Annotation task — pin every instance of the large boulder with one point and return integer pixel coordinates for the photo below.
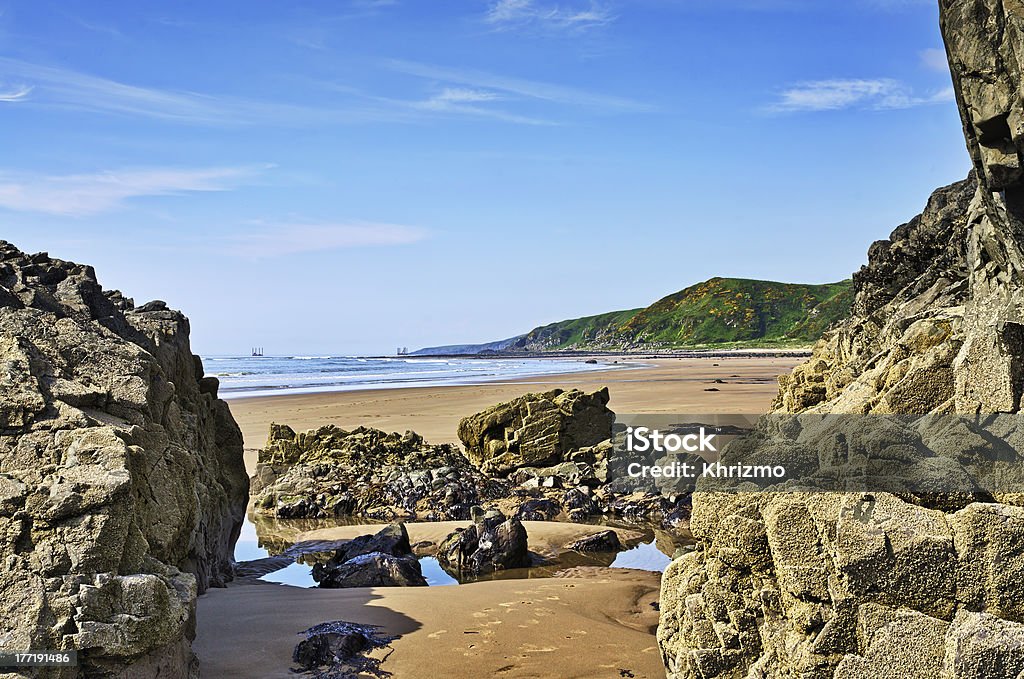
(122, 485)
(384, 559)
(536, 430)
(493, 542)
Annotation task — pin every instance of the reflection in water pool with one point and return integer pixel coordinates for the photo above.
(296, 575)
(301, 575)
(434, 574)
(643, 556)
(646, 557)
(248, 546)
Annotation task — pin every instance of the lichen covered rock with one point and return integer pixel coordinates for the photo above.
(536, 430)
(122, 486)
(789, 582)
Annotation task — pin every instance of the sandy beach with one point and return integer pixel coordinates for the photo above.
(587, 622)
(669, 385)
(590, 624)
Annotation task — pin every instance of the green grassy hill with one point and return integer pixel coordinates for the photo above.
(720, 311)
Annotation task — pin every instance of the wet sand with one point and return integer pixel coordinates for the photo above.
(591, 624)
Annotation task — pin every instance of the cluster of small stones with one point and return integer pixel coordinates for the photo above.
(330, 472)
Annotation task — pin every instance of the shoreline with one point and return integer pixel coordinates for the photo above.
(650, 354)
(230, 395)
(587, 362)
(733, 385)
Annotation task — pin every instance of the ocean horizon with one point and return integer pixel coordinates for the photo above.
(245, 376)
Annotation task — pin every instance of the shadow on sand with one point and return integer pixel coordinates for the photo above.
(250, 628)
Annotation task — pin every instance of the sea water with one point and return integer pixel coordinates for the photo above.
(265, 375)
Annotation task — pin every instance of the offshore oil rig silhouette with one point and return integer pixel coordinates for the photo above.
(257, 351)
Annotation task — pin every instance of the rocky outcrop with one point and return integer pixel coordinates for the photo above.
(877, 584)
(330, 472)
(800, 582)
(985, 42)
(895, 353)
(384, 559)
(938, 321)
(536, 430)
(122, 487)
(491, 543)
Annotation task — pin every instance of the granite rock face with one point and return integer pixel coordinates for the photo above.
(842, 585)
(985, 43)
(831, 585)
(536, 430)
(122, 486)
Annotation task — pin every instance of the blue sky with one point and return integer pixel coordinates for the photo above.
(355, 175)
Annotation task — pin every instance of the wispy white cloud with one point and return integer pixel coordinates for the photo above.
(522, 88)
(17, 94)
(934, 59)
(472, 103)
(80, 195)
(65, 88)
(323, 32)
(95, 27)
(443, 102)
(462, 95)
(548, 18)
(275, 240)
(457, 92)
(872, 94)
